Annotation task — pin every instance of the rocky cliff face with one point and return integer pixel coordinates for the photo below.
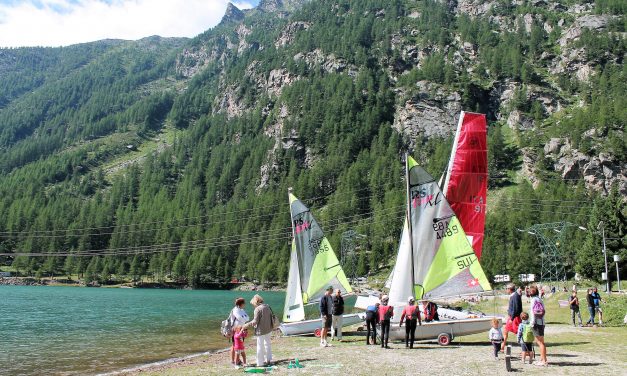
(429, 109)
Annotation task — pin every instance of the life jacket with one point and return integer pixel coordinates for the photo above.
(385, 312)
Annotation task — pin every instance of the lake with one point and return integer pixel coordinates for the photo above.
(74, 330)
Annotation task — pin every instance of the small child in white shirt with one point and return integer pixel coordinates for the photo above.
(496, 337)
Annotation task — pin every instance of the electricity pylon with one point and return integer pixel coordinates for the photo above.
(550, 237)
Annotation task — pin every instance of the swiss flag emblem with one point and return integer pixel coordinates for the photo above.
(473, 282)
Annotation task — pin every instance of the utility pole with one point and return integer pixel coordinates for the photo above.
(616, 260)
(607, 275)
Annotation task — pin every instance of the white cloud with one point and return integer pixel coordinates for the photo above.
(65, 22)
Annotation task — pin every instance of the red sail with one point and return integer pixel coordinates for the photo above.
(467, 176)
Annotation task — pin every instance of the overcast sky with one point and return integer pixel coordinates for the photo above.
(64, 22)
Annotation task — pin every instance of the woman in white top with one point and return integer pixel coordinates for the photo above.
(239, 317)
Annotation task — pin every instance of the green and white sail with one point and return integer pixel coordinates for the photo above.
(444, 263)
(313, 264)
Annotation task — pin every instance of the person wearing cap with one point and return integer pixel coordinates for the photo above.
(338, 311)
(326, 315)
(514, 309)
(411, 314)
(386, 312)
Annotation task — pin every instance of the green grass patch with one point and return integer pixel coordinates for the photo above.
(614, 308)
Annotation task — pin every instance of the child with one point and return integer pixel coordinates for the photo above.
(525, 337)
(238, 343)
(496, 337)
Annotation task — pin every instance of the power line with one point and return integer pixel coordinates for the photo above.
(275, 235)
(44, 233)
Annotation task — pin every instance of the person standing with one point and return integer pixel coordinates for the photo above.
(338, 311)
(386, 312)
(326, 315)
(514, 309)
(412, 315)
(525, 337)
(262, 322)
(240, 318)
(495, 335)
(574, 308)
(536, 319)
(591, 310)
(596, 298)
(372, 319)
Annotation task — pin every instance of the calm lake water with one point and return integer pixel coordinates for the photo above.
(73, 330)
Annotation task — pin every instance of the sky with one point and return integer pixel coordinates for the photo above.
(54, 23)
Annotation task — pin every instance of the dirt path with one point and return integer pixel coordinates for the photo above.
(568, 353)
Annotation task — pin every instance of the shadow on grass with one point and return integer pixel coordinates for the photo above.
(563, 355)
(558, 344)
(574, 364)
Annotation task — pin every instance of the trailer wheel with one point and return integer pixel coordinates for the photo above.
(444, 339)
(318, 332)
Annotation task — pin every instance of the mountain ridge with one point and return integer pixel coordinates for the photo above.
(322, 96)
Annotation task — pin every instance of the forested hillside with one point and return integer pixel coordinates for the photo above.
(171, 158)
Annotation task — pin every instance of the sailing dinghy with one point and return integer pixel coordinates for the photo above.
(313, 267)
(434, 260)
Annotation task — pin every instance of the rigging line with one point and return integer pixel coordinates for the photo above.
(208, 225)
(31, 233)
(541, 205)
(140, 230)
(152, 251)
(230, 240)
(529, 206)
(546, 200)
(174, 246)
(132, 231)
(537, 211)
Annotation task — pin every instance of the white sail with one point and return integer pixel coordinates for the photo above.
(294, 309)
(401, 284)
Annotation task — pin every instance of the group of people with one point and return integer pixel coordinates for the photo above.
(527, 326)
(331, 311)
(382, 313)
(262, 323)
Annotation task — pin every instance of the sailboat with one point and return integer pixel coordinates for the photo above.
(466, 179)
(435, 259)
(313, 267)
(465, 182)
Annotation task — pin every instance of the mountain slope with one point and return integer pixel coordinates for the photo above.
(320, 96)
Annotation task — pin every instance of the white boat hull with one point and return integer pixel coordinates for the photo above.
(310, 326)
(453, 328)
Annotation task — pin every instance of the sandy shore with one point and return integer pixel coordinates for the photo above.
(571, 351)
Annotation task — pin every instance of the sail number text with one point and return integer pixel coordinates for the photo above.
(318, 246)
(443, 230)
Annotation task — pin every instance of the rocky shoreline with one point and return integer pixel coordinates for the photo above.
(31, 281)
(20, 281)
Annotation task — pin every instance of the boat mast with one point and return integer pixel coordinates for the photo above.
(409, 226)
(289, 191)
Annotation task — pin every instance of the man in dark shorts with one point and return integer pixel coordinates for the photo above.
(326, 314)
(514, 309)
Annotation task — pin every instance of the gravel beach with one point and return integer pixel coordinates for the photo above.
(571, 351)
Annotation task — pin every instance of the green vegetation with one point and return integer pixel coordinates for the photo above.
(208, 202)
